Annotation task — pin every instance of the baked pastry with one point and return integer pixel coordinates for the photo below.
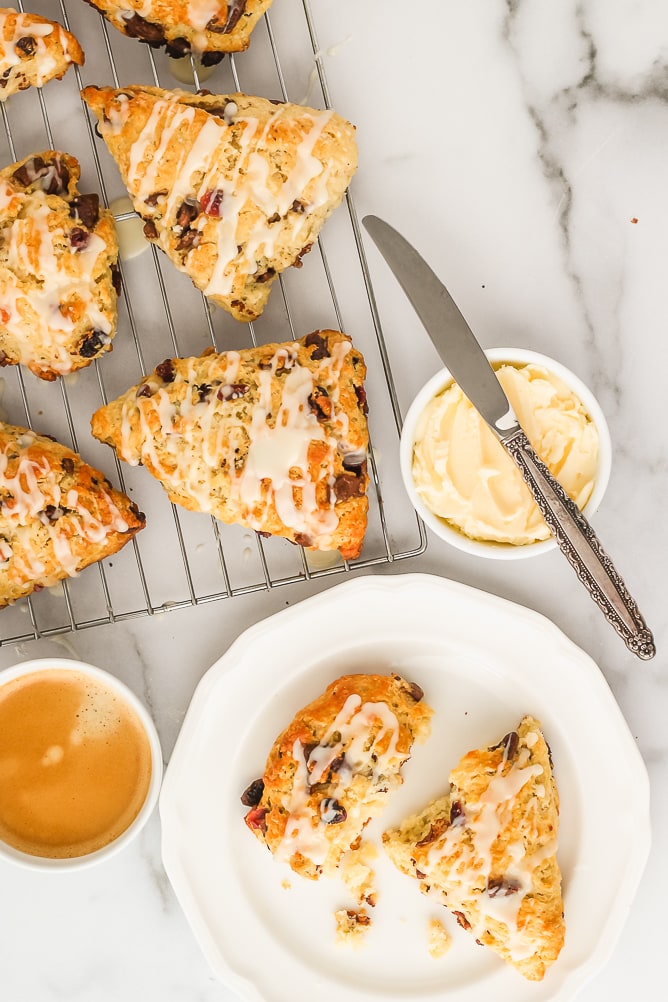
(207, 29)
(58, 274)
(487, 849)
(33, 51)
(234, 189)
(57, 514)
(333, 769)
(273, 438)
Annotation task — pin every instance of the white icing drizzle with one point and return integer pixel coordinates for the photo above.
(469, 860)
(65, 296)
(43, 62)
(247, 181)
(26, 495)
(191, 445)
(310, 834)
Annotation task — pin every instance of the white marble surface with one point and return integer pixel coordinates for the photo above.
(521, 144)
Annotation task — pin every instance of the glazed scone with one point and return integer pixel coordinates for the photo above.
(234, 189)
(33, 51)
(59, 279)
(273, 438)
(57, 514)
(333, 769)
(206, 27)
(487, 849)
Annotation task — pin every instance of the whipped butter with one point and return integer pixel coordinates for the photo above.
(464, 475)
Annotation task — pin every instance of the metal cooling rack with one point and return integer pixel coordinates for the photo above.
(183, 559)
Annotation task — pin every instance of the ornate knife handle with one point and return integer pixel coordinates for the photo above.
(579, 543)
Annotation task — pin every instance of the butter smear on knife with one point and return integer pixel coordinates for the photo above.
(464, 475)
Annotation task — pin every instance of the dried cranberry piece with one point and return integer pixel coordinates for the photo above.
(510, 743)
(68, 465)
(232, 391)
(152, 199)
(79, 238)
(211, 202)
(256, 818)
(203, 392)
(301, 539)
(360, 393)
(86, 209)
(150, 231)
(178, 48)
(144, 391)
(462, 920)
(319, 343)
(502, 886)
(266, 276)
(252, 795)
(166, 371)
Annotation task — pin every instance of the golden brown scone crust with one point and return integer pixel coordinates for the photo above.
(333, 769)
(33, 51)
(233, 188)
(57, 514)
(58, 268)
(487, 849)
(273, 438)
(214, 29)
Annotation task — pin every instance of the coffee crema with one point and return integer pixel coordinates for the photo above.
(75, 764)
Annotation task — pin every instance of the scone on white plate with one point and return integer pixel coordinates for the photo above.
(487, 849)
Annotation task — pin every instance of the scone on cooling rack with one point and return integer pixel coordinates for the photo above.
(58, 268)
(234, 189)
(207, 29)
(273, 438)
(33, 50)
(57, 514)
(333, 769)
(487, 850)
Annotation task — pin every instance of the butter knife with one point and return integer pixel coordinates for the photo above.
(461, 353)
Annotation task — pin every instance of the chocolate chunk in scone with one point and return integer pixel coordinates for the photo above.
(208, 30)
(58, 268)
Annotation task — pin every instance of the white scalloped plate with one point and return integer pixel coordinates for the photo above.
(483, 662)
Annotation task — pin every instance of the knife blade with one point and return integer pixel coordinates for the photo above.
(462, 354)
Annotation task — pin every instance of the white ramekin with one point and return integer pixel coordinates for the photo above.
(448, 532)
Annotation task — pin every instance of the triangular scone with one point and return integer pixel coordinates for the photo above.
(33, 51)
(234, 189)
(487, 849)
(333, 769)
(273, 438)
(58, 268)
(57, 514)
(183, 26)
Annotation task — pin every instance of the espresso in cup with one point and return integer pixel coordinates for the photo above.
(75, 762)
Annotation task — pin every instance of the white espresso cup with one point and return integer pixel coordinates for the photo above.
(80, 764)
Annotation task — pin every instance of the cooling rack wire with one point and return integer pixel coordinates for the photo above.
(184, 559)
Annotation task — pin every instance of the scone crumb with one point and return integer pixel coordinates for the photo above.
(438, 938)
(351, 925)
(358, 875)
(286, 885)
